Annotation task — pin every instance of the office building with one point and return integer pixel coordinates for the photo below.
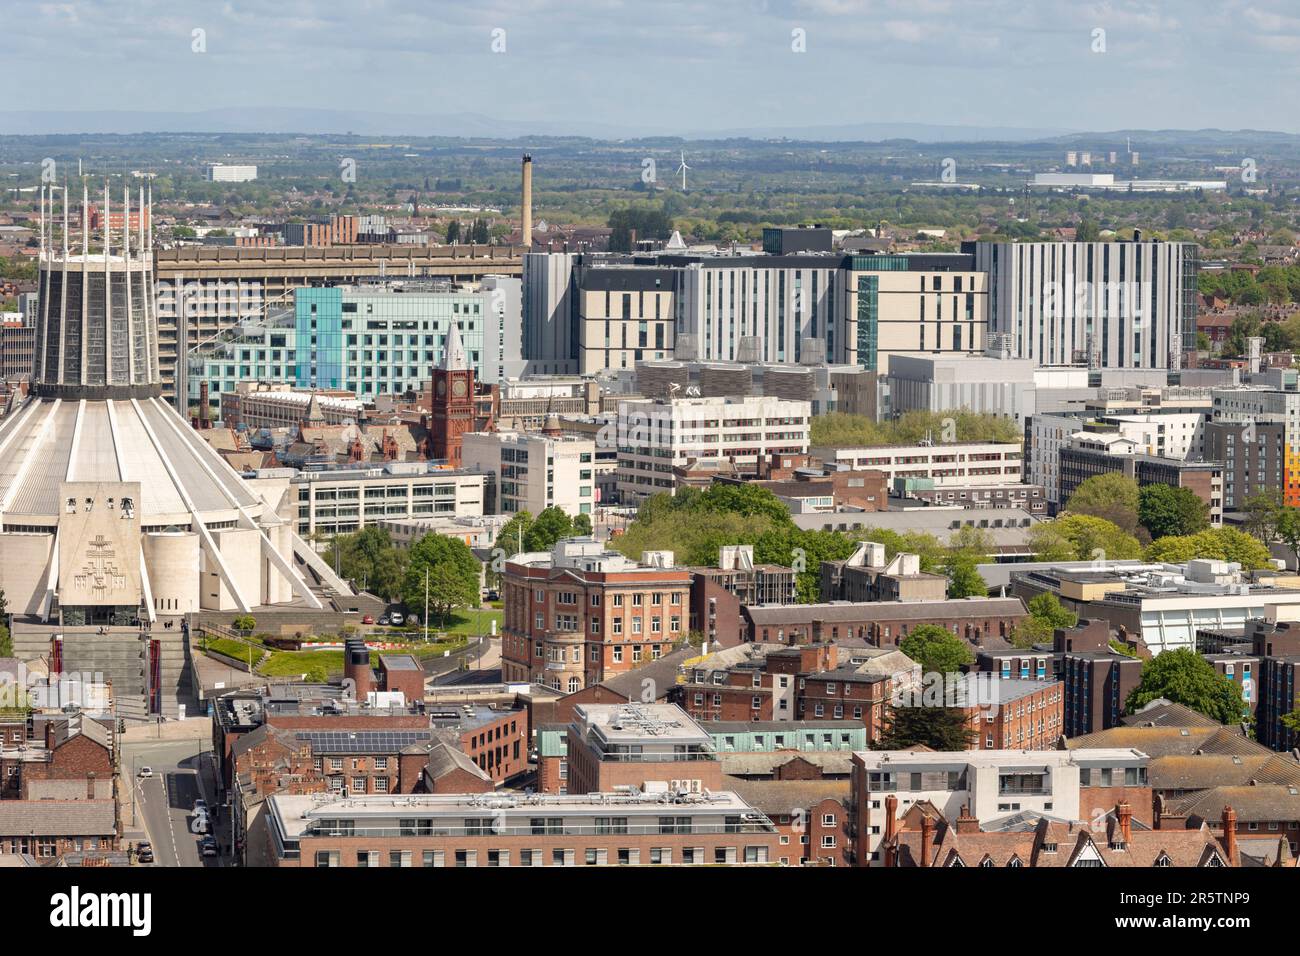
(654, 437)
(948, 465)
(579, 614)
(344, 500)
(535, 471)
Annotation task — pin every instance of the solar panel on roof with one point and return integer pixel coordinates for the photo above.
(360, 741)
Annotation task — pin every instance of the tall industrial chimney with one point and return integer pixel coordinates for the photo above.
(526, 226)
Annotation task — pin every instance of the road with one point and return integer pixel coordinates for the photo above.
(159, 809)
(437, 666)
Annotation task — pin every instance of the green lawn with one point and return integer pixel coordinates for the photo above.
(232, 648)
(293, 663)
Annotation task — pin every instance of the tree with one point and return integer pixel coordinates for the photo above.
(1048, 541)
(1186, 678)
(964, 578)
(1166, 510)
(582, 525)
(939, 728)
(646, 221)
(1287, 529)
(244, 623)
(936, 649)
(510, 539)
(552, 525)
(453, 232)
(804, 551)
(1222, 544)
(479, 232)
(1085, 538)
(1046, 614)
(1087, 231)
(1112, 496)
(1048, 609)
(370, 558)
(1262, 511)
(449, 570)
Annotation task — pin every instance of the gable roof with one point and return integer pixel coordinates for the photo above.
(445, 758)
(1162, 741)
(1168, 715)
(1258, 804)
(58, 818)
(663, 674)
(784, 797)
(1203, 771)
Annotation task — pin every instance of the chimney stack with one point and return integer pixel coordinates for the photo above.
(967, 823)
(891, 816)
(1230, 834)
(356, 667)
(927, 840)
(1125, 814)
(526, 204)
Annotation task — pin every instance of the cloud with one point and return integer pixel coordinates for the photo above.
(674, 63)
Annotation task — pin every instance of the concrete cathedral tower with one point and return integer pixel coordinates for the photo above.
(115, 515)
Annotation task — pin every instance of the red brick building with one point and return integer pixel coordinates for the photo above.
(978, 620)
(581, 614)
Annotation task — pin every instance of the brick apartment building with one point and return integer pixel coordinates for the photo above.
(885, 624)
(652, 747)
(581, 614)
(58, 797)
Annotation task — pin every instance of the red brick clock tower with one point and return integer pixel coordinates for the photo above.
(452, 400)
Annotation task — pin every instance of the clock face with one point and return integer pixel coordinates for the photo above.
(458, 388)
(442, 387)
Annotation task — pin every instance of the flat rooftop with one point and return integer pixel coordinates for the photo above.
(997, 758)
(295, 814)
(631, 724)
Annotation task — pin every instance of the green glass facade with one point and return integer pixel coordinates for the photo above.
(868, 321)
(369, 343)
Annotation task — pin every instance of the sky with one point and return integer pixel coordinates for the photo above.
(658, 67)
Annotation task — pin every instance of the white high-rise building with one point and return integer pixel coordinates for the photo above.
(656, 436)
(1103, 304)
(221, 173)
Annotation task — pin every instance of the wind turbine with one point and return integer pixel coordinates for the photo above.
(682, 169)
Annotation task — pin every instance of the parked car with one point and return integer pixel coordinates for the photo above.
(208, 846)
(493, 596)
(144, 851)
(395, 619)
(384, 620)
(367, 620)
(145, 773)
